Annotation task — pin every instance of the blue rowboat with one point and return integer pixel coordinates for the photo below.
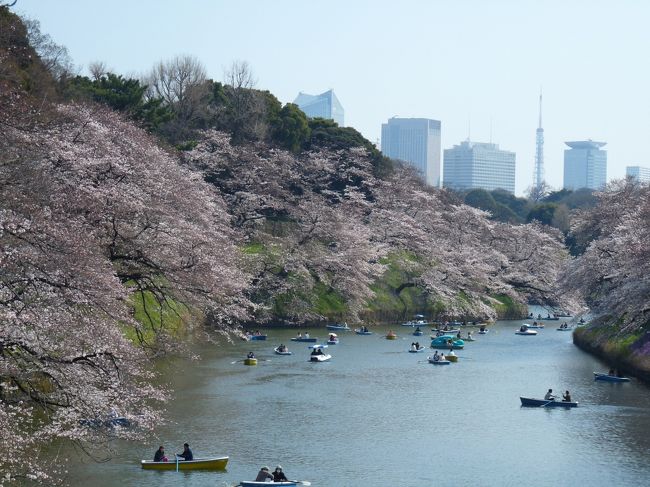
(446, 342)
(252, 483)
(360, 332)
(418, 333)
(258, 337)
(438, 362)
(543, 403)
(303, 339)
(339, 326)
(421, 349)
(610, 378)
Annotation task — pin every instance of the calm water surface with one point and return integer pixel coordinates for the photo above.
(377, 415)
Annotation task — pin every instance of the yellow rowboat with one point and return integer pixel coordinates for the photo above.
(250, 361)
(210, 463)
(452, 358)
(391, 336)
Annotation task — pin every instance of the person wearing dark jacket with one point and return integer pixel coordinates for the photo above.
(159, 456)
(263, 475)
(278, 475)
(187, 454)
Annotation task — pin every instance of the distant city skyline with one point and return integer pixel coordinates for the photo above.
(487, 73)
(479, 165)
(326, 105)
(585, 165)
(640, 173)
(416, 141)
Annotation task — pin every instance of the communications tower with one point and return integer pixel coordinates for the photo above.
(538, 174)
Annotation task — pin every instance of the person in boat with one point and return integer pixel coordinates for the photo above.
(458, 335)
(469, 335)
(417, 345)
(549, 396)
(187, 454)
(611, 372)
(278, 475)
(417, 330)
(332, 338)
(250, 355)
(263, 475)
(522, 328)
(413, 347)
(282, 348)
(159, 456)
(306, 335)
(530, 315)
(442, 356)
(482, 328)
(436, 357)
(539, 317)
(314, 351)
(566, 397)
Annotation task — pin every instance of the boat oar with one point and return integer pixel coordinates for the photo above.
(306, 483)
(176, 462)
(547, 403)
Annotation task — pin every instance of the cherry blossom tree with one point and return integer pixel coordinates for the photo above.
(612, 273)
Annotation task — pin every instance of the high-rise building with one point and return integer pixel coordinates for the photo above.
(415, 141)
(585, 165)
(472, 165)
(325, 105)
(641, 174)
(538, 174)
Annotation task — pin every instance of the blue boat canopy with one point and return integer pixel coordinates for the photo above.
(317, 346)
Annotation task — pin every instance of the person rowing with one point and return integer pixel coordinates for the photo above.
(549, 396)
(566, 397)
(278, 475)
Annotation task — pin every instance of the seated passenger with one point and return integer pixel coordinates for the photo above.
(566, 397)
(159, 456)
(549, 395)
(250, 355)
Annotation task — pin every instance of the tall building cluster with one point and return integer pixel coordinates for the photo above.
(469, 164)
(641, 174)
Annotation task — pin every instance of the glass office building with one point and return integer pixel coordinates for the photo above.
(325, 105)
(641, 174)
(585, 165)
(415, 141)
(477, 165)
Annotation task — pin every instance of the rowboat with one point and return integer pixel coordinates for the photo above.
(333, 339)
(318, 355)
(610, 378)
(568, 328)
(277, 351)
(208, 463)
(469, 338)
(452, 358)
(483, 330)
(536, 403)
(257, 337)
(446, 342)
(252, 483)
(421, 349)
(525, 330)
(339, 326)
(418, 333)
(535, 326)
(414, 323)
(446, 332)
(250, 361)
(304, 339)
(438, 362)
(391, 336)
(362, 332)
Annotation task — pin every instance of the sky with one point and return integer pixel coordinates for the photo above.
(477, 66)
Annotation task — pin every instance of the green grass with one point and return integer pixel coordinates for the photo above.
(169, 318)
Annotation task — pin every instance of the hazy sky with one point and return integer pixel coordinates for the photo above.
(454, 60)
